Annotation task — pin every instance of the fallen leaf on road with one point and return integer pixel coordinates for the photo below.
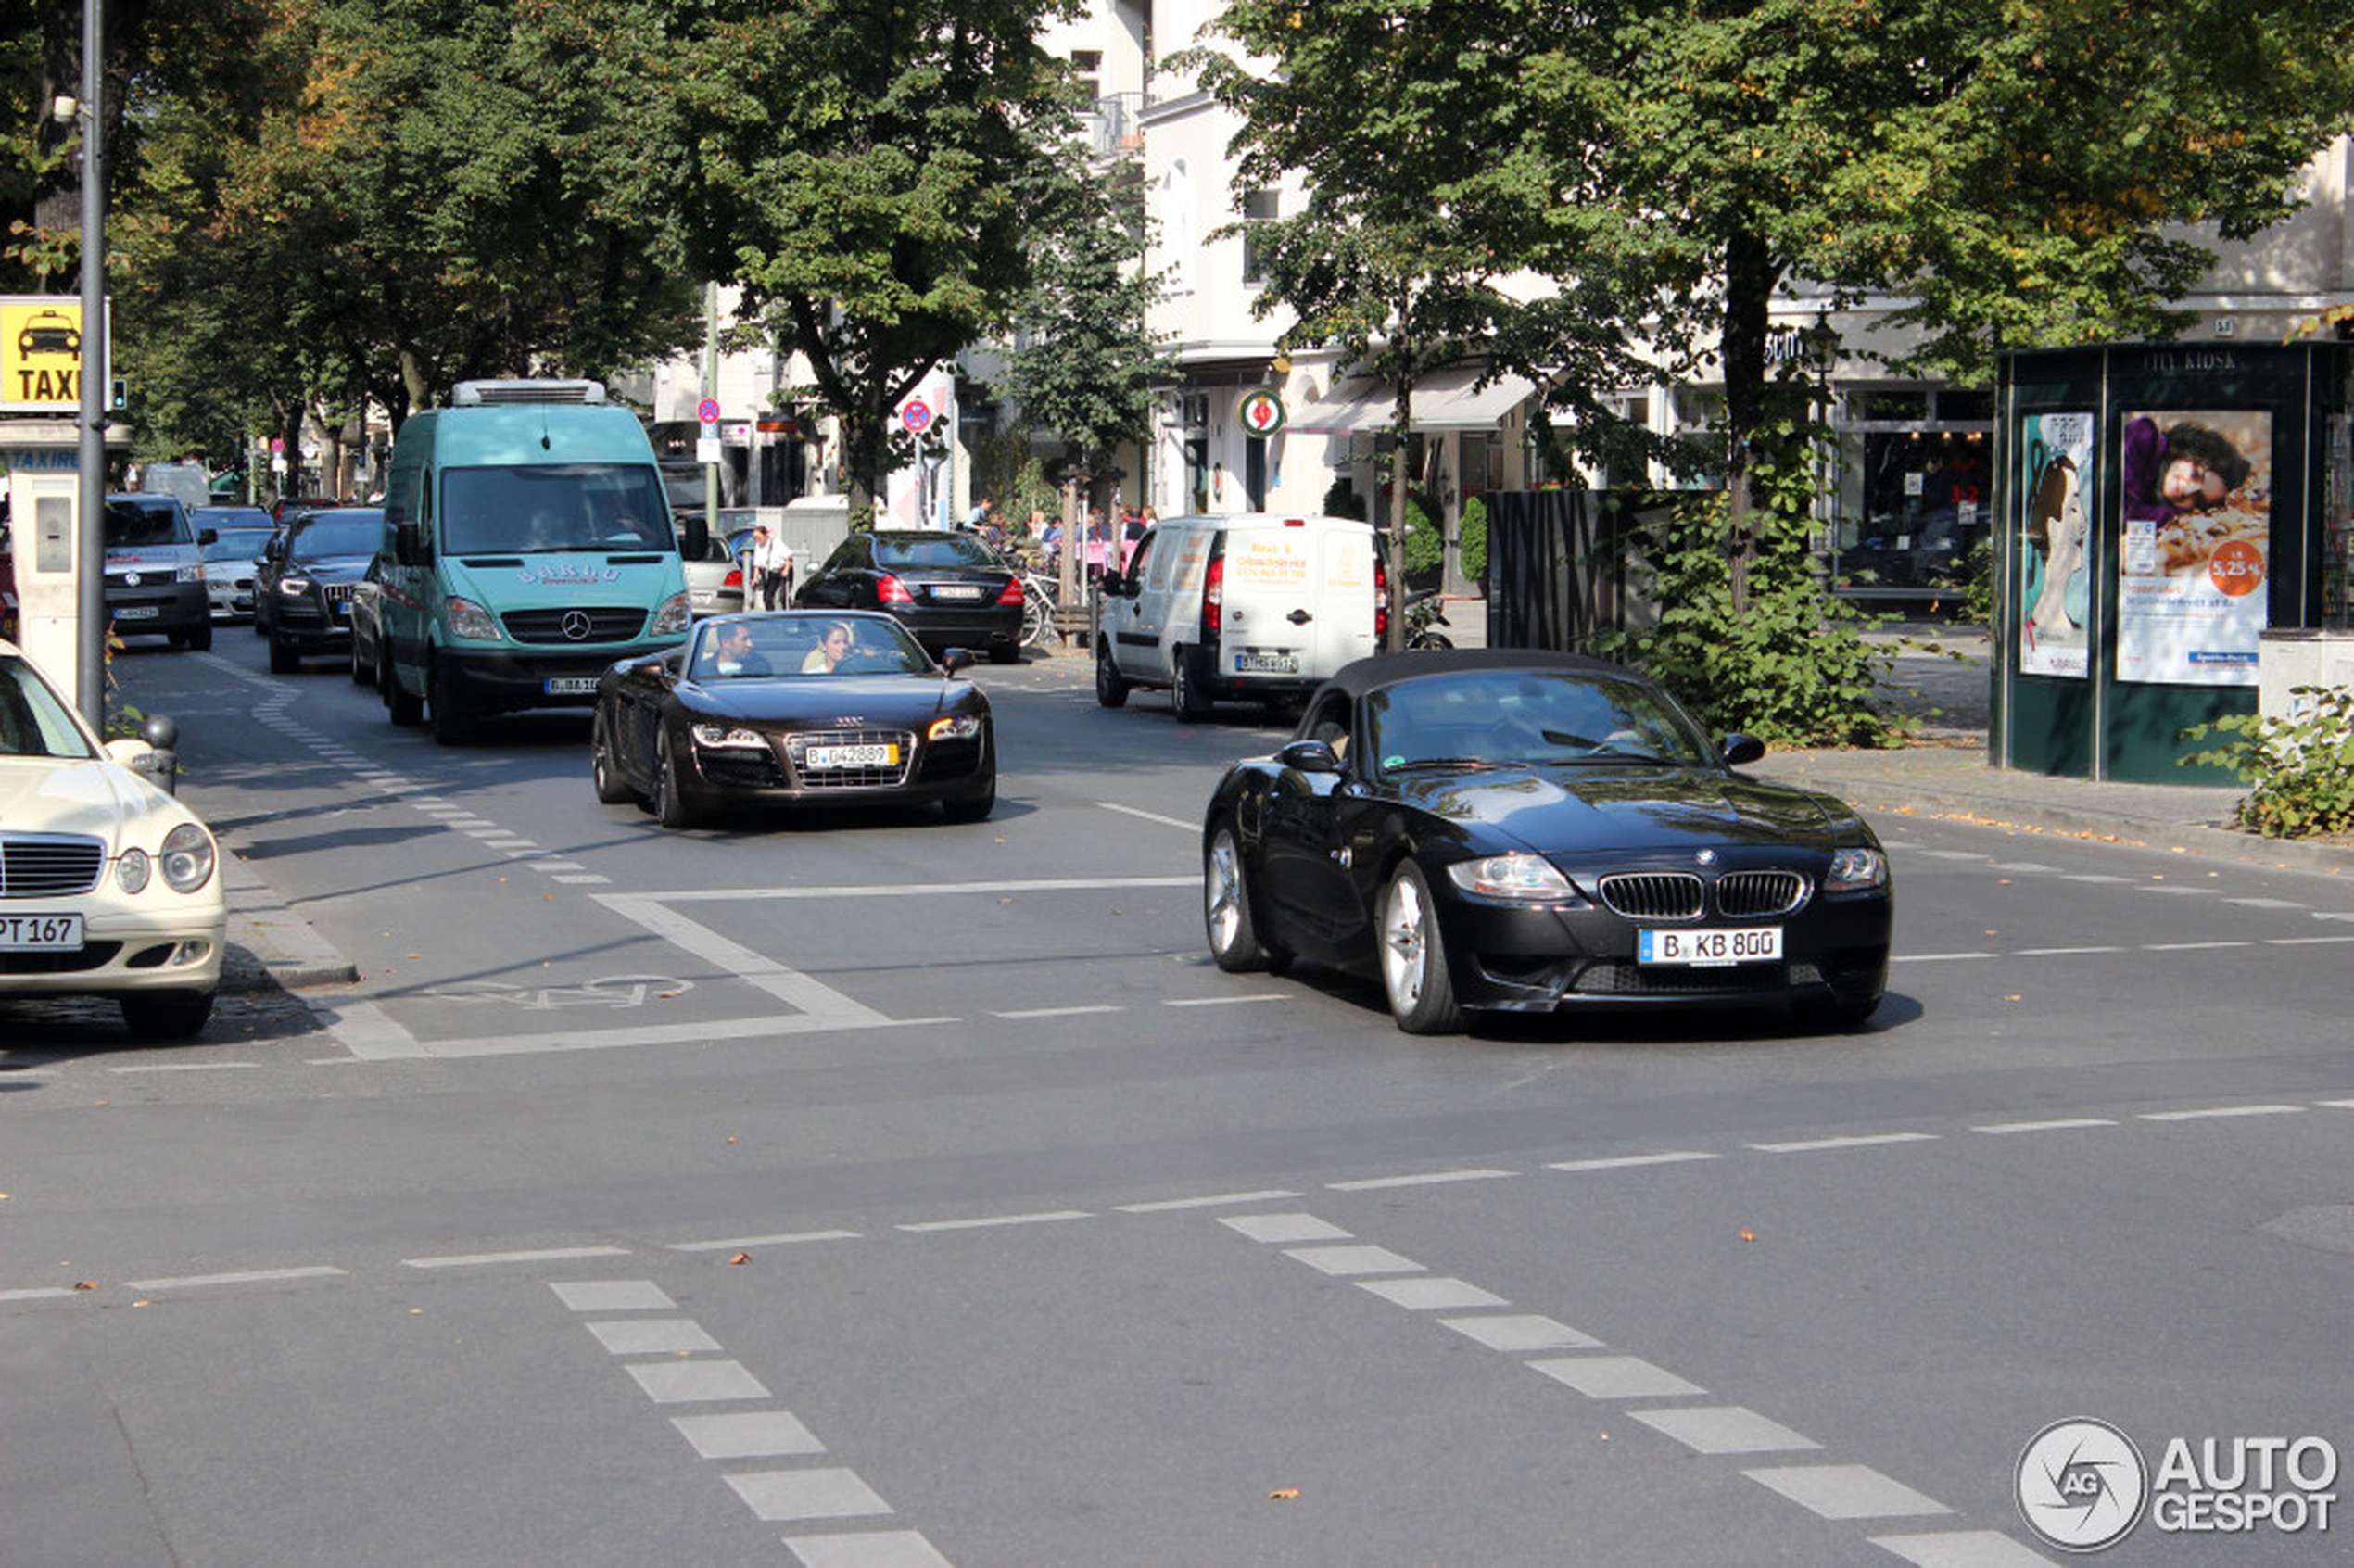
(740, 1258)
(85, 1285)
(1285, 1496)
(666, 995)
(1749, 1235)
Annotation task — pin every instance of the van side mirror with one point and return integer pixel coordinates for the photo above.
(208, 535)
(409, 544)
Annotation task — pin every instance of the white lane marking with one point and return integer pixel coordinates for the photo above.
(1017, 1014)
(2189, 946)
(1224, 1001)
(801, 993)
(542, 1254)
(2306, 942)
(653, 1337)
(2093, 877)
(905, 890)
(2267, 903)
(2337, 1105)
(1615, 1377)
(2057, 1125)
(38, 1293)
(1423, 1293)
(367, 1031)
(1220, 1201)
(659, 1035)
(1522, 1332)
(250, 1276)
(1723, 1429)
(2178, 891)
(1861, 1139)
(1345, 1260)
(1282, 1227)
(808, 1494)
(612, 1295)
(747, 1435)
(1946, 854)
(1846, 1491)
(591, 878)
(2218, 1112)
(1423, 1179)
(995, 1219)
(1151, 817)
(1624, 1162)
(682, 1383)
(867, 1548)
(1934, 957)
(2063, 952)
(740, 1244)
(184, 1067)
(2035, 867)
(1961, 1549)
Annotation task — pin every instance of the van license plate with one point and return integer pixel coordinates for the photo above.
(570, 686)
(1750, 944)
(52, 934)
(1267, 664)
(138, 612)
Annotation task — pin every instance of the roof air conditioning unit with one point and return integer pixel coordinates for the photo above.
(474, 394)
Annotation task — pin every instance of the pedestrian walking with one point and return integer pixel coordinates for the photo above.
(771, 568)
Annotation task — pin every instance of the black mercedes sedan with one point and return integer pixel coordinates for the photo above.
(950, 590)
(303, 584)
(1525, 831)
(793, 708)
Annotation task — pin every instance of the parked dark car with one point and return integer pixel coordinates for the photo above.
(1526, 831)
(790, 708)
(950, 590)
(303, 588)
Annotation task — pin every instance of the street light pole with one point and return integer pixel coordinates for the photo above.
(89, 450)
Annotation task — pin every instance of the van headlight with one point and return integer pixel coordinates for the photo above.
(469, 619)
(1854, 870)
(1517, 877)
(188, 858)
(189, 574)
(672, 617)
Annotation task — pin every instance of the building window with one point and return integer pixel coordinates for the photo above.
(1258, 206)
(1088, 66)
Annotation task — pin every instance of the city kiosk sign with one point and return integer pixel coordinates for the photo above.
(41, 353)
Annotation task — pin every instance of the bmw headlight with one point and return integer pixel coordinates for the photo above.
(131, 870)
(188, 858)
(674, 617)
(718, 737)
(1517, 877)
(958, 726)
(469, 619)
(1854, 870)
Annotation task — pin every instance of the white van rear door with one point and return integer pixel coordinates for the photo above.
(1344, 623)
(1271, 592)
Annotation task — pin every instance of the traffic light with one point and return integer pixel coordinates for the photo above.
(118, 393)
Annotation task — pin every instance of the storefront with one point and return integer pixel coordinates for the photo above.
(2173, 518)
(1913, 496)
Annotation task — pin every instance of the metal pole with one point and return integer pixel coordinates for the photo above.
(711, 389)
(90, 547)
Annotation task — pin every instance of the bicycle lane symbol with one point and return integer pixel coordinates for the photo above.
(610, 992)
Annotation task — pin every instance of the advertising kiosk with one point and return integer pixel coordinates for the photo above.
(2173, 518)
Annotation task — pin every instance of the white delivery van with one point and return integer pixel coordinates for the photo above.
(1257, 607)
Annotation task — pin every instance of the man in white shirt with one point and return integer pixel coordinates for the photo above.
(771, 566)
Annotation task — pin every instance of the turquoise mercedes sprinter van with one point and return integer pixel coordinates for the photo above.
(528, 545)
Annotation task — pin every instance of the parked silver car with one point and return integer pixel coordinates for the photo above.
(715, 582)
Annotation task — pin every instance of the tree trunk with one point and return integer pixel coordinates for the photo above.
(1749, 284)
(1401, 430)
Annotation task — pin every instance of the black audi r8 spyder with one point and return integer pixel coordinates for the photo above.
(786, 707)
(1525, 831)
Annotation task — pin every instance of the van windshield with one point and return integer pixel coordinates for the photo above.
(132, 523)
(553, 506)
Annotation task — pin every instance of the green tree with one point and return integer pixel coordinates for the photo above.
(873, 176)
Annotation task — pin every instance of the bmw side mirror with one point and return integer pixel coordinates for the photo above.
(1740, 750)
(1310, 756)
(957, 659)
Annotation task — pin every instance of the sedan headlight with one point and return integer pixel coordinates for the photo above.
(294, 588)
(131, 870)
(1854, 870)
(1517, 877)
(469, 619)
(185, 574)
(188, 858)
(716, 737)
(958, 726)
(675, 616)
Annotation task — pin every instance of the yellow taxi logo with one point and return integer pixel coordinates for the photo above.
(39, 354)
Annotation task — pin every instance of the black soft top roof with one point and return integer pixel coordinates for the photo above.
(1387, 669)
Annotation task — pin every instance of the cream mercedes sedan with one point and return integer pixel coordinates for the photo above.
(109, 886)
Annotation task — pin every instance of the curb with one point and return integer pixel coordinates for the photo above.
(270, 947)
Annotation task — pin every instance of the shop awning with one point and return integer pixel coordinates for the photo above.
(1443, 400)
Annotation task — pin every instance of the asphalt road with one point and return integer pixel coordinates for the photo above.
(875, 1194)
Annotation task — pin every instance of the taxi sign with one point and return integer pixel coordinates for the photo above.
(41, 353)
(1260, 412)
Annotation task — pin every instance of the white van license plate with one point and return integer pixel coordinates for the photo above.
(47, 933)
(1266, 664)
(1751, 945)
(570, 686)
(138, 612)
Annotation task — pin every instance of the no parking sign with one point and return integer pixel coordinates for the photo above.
(916, 415)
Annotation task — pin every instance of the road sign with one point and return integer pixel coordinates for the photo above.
(41, 353)
(916, 416)
(1260, 412)
(707, 412)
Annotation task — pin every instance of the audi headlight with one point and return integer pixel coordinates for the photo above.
(294, 588)
(1854, 870)
(674, 617)
(469, 619)
(188, 858)
(131, 870)
(958, 726)
(716, 736)
(1517, 877)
